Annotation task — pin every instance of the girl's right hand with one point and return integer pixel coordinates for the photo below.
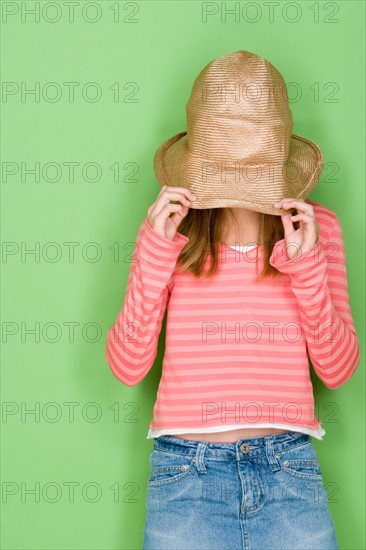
(158, 214)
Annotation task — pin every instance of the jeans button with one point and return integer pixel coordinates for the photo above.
(277, 455)
(245, 448)
(184, 468)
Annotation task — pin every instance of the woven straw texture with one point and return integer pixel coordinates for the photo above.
(238, 149)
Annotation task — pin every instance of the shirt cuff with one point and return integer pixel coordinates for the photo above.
(303, 263)
(158, 250)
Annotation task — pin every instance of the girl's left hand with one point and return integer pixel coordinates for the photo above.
(299, 241)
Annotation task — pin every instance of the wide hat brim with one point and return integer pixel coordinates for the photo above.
(255, 188)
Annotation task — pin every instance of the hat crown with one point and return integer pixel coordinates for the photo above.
(244, 98)
(238, 149)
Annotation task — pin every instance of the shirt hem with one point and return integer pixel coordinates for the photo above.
(317, 433)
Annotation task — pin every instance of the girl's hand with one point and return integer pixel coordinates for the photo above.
(299, 241)
(158, 214)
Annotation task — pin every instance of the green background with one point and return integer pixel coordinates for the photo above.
(159, 47)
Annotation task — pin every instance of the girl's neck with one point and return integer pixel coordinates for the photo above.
(242, 227)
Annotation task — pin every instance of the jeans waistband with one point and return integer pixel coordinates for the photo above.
(243, 448)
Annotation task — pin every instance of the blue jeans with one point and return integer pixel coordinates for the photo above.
(262, 493)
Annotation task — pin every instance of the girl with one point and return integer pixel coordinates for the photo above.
(254, 289)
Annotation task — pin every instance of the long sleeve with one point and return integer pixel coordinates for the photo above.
(318, 279)
(131, 344)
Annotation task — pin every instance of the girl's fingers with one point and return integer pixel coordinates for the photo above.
(308, 225)
(287, 224)
(174, 190)
(166, 197)
(178, 216)
(170, 194)
(160, 210)
(163, 202)
(293, 203)
(304, 217)
(158, 220)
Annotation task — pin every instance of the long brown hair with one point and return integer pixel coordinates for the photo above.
(205, 228)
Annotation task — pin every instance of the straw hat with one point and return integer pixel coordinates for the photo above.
(238, 150)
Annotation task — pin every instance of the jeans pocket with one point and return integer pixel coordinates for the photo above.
(300, 462)
(167, 468)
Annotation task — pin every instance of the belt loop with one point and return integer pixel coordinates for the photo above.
(200, 455)
(271, 457)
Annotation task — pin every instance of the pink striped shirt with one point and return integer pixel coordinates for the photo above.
(236, 350)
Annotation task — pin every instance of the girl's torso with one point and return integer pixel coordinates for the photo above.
(232, 435)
